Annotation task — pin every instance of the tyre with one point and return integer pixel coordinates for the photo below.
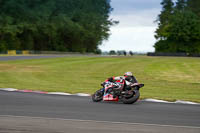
(97, 96)
(131, 99)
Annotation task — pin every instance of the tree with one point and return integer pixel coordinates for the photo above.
(181, 5)
(180, 32)
(64, 25)
(194, 5)
(112, 52)
(164, 18)
(131, 53)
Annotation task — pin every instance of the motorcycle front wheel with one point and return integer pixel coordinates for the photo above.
(131, 98)
(97, 96)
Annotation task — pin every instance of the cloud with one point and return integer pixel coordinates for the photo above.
(137, 39)
(136, 29)
(137, 18)
(127, 6)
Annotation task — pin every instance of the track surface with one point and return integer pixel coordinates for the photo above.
(179, 116)
(6, 58)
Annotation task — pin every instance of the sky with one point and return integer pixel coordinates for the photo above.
(136, 29)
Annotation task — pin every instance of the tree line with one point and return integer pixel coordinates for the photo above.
(54, 25)
(178, 27)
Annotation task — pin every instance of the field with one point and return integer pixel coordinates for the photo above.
(168, 78)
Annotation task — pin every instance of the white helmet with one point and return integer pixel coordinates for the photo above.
(128, 74)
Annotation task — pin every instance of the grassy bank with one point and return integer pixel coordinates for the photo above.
(168, 78)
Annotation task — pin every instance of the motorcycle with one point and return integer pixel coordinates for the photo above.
(115, 91)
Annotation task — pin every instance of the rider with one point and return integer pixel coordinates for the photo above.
(128, 77)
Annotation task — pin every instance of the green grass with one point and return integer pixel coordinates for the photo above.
(168, 78)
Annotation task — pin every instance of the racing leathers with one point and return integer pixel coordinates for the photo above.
(129, 80)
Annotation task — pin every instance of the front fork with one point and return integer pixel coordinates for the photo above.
(102, 90)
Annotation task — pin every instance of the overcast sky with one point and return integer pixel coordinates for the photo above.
(135, 32)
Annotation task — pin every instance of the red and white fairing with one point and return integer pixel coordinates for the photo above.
(109, 97)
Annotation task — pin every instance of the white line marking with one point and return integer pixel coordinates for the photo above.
(59, 93)
(82, 94)
(8, 89)
(185, 102)
(79, 120)
(162, 101)
(155, 100)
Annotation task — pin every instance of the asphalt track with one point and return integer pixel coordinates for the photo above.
(6, 58)
(55, 113)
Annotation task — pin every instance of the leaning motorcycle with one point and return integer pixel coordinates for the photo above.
(115, 91)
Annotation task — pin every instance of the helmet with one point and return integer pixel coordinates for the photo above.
(128, 74)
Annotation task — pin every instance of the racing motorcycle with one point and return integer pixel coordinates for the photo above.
(115, 91)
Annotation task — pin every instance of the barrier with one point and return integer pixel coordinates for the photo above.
(12, 52)
(173, 54)
(25, 52)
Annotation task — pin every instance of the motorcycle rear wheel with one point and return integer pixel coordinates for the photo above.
(132, 99)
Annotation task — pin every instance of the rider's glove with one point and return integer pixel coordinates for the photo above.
(110, 79)
(102, 84)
